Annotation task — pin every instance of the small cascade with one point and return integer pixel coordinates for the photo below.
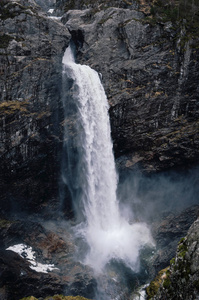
(90, 171)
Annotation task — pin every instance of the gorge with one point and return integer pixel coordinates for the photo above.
(147, 61)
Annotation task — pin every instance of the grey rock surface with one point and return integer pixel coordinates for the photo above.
(181, 281)
(151, 83)
(31, 50)
(167, 235)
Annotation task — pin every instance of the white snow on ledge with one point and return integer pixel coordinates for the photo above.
(26, 252)
(51, 10)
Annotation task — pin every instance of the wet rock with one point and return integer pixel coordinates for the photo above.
(168, 233)
(52, 245)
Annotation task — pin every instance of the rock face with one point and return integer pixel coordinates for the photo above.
(31, 50)
(181, 279)
(167, 235)
(52, 244)
(150, 72)
(151, 83)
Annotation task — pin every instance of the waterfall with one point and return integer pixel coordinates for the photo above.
(90, 172)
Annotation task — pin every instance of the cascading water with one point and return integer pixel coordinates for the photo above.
(90, 172)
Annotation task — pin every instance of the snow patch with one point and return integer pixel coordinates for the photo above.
(26, 252)
(51, 10)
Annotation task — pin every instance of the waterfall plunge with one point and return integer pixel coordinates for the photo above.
(92, 178)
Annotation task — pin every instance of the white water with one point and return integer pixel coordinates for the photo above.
(108, 235)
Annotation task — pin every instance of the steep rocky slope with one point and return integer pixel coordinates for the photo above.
(180, 280)
(53, 246)
(150, 74)
(149, 69)
(31, 48)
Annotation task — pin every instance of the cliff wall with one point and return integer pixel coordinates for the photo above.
(31, 49)
(149, 68)
(150, 74)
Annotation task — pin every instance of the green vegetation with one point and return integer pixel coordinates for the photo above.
(167, 281)
(182, 265)
(181, 241)
(172, 261)
(154, 286)
(182, 248)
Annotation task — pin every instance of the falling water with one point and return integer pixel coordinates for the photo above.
(91, 174)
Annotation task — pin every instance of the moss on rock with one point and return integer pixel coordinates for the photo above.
(154, 286)
(11, 107)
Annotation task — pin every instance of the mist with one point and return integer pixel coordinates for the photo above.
(148, 198)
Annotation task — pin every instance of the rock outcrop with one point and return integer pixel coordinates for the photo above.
(180, 281)
(167, 235)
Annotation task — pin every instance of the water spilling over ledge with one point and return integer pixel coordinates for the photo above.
(90, 171)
